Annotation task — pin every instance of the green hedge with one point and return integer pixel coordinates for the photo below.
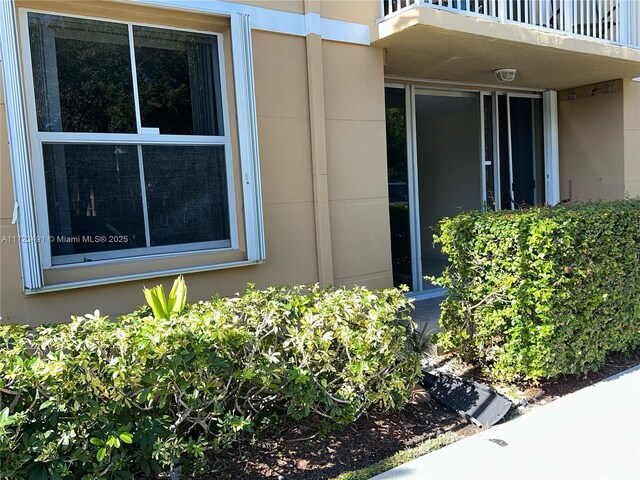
(541, 292)
(101, 398)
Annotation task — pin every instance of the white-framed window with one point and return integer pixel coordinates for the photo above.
(131, 151)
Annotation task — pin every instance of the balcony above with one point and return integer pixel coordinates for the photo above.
(554, 44)
(614, 21)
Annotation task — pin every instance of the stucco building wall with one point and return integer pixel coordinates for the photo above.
(591, 135)
(631, 107)
(321, 128)
(354, 104)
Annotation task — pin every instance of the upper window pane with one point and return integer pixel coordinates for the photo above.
(81, 74)
(178, 81)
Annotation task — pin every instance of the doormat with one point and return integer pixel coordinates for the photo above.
(478, 403)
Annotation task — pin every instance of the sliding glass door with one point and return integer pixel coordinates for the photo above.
(448, 154)
(398, 185)
(450, 151)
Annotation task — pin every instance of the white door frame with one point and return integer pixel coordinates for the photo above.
(412, 181)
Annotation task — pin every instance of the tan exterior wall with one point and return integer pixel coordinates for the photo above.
(293, 6)
(357, 11)
(357, 166)
(632, 138)
(356, 177)
(320, 111)
(590, 130)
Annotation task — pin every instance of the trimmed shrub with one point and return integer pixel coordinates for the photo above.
(540, 292)
(101, 398)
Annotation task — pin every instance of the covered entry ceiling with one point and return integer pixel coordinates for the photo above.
(430, 52)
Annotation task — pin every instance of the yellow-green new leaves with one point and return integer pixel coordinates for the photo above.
(164, 307)
(178, 295)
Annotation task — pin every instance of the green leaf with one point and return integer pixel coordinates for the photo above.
(96, 441)
(178, 295)
(157, 301)
(38, 473)
(113, 442)
(101, 454)
(126, 437)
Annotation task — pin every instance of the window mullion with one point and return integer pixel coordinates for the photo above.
(143, 192)
(128, 138)
(134, 75)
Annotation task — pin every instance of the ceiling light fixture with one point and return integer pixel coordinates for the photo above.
(505, 74)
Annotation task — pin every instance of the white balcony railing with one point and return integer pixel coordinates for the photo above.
(614, 21)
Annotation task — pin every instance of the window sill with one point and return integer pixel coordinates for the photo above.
(144, 259)
(139, 276)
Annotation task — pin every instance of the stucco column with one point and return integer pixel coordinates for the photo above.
(315, 75)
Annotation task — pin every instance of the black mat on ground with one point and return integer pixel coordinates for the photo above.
(479, 403)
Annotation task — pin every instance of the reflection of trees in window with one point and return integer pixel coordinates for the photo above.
(396, 145)
(96, 93)
(82, 75)
(398, 186)
(155, 194)
(163, 78)
(178, 82)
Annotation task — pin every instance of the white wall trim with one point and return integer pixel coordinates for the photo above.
(97, 282)
(459, 86)
(551, 146)
(270, 20)
(248, 134)
(313, 23)
(24, 215)
(346, 32)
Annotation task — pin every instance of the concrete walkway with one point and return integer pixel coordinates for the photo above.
(593, 433)
(427, 314)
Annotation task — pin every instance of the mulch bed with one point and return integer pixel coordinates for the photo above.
(297, 451)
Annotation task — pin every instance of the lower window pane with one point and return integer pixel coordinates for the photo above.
(94, 198)
(187, 199)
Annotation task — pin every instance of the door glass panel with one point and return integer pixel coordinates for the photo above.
(395, 109)
(449, 177)
(527, 151)
(505, 157)
(81, 75)
(522, 151)
(488, 153)
(538, 151)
